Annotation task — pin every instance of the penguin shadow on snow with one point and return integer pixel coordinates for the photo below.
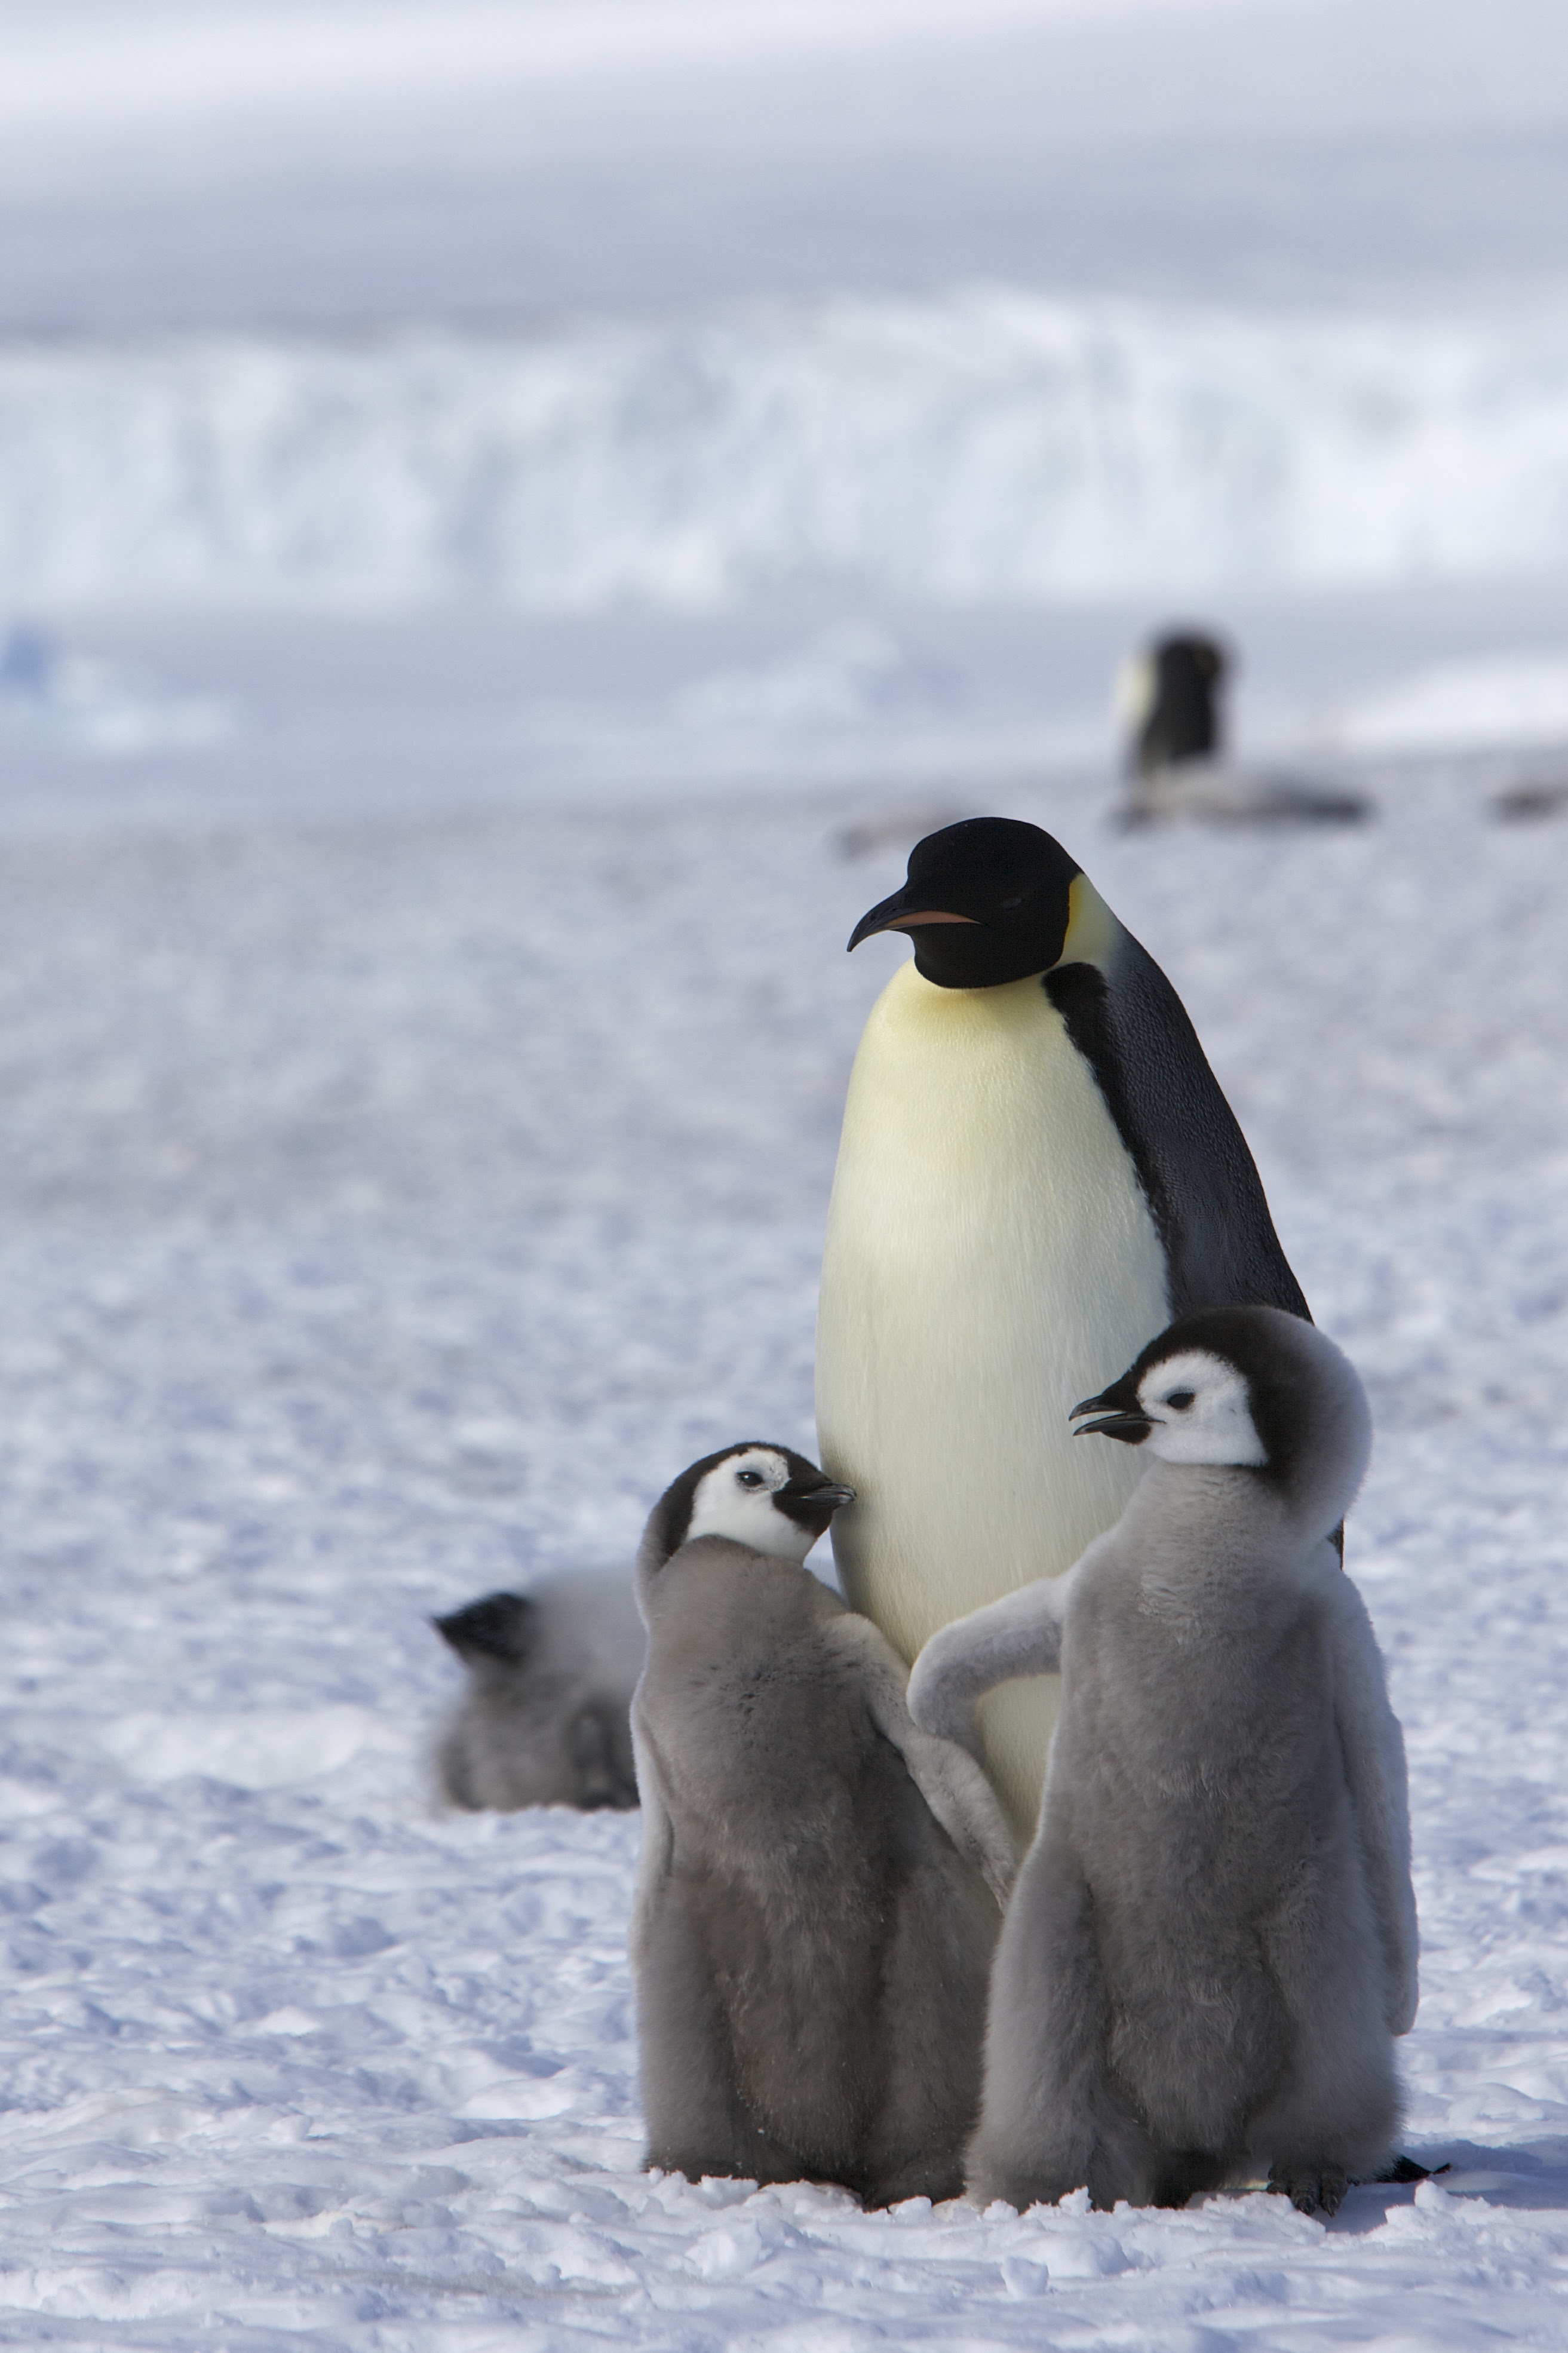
(546, 1717)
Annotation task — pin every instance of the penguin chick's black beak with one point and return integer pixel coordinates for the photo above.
(1132, 1428)
(811, 1502)
(824, 1494)
(1117, 1418)
(902, 912)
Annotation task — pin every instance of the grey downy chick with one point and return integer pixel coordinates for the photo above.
(821, 1881)
(1213, 1944)
(546, 1718)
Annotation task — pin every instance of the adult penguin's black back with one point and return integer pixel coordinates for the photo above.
(1201, 1182)
(1039, 1172)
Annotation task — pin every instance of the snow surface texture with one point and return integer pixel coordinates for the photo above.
(388, 1210)
(991, 445)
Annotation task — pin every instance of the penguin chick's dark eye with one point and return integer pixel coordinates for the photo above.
(750, 1479)
(1180, 1399)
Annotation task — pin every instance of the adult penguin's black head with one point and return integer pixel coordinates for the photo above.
(985, 902)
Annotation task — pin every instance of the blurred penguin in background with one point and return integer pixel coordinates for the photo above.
(546, 1719)
(1169, 705)
(1212, 1944)
(821, 1881)
(1168, 696)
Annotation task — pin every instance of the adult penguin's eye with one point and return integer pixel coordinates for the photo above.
(749, 1479)
(1180, 1399)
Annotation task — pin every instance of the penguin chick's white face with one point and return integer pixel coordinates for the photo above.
(1249, 1388)
(1191, 1406)
(769, 1498)
(737, 1499)
(1199, 1410)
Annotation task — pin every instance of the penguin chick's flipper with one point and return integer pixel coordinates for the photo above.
(1019, 1635)
(1372, 1747)
(947, 1777)
(498, 1627)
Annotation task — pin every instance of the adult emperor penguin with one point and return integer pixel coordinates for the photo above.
(1168, 696)
(1038, 1173)
(821, 1881)
(1170, 701)
(1212, 1944)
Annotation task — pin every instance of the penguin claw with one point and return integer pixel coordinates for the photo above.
(1311, 2190)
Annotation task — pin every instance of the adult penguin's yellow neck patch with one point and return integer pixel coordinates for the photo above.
(1092, 930)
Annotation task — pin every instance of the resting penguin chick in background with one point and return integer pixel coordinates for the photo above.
(1212, 1944)
(1037, 1172)
(546, 1720)
(821, 1881)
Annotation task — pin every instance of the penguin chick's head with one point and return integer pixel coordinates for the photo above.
(767, 1497)
(985, 902)
(499, 1630)
(1249, 1388)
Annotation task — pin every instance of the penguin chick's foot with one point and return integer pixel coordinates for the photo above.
(1186, 2174)
(1313, 2189)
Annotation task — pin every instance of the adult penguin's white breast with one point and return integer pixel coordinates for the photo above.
(991, 1259)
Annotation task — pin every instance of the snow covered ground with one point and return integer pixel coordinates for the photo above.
(389, 1210)
(423, 1022)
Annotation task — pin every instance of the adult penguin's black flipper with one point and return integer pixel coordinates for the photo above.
(1192, 1159)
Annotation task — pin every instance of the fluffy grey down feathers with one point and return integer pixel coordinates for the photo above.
(1211, 1942)
(546, 1718)
(819, 1893)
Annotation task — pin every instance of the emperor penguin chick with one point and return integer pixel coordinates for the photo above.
(546, 1718)
(821, 1881)
(1213, 1942)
